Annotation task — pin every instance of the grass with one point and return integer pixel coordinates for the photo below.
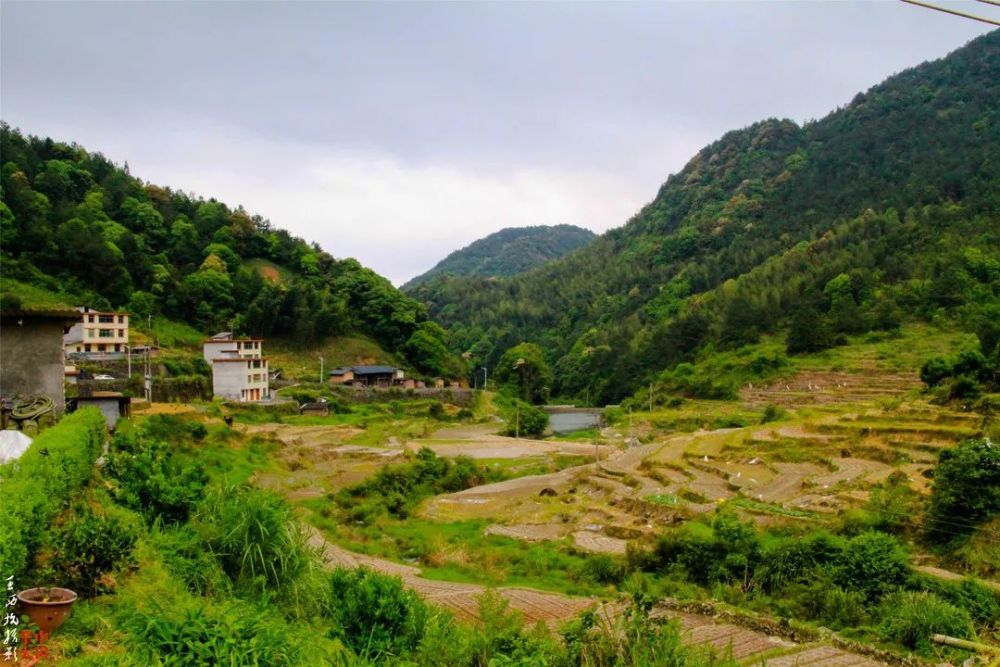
(459, 551)
(32, 297)
(770, 508)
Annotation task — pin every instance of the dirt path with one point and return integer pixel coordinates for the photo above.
(948, 575)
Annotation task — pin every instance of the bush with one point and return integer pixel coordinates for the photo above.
(603, 569)
(39, 484)
(874, 564)
(398, 488)
(149, 480)
(966, 490)
(186, 556)
(373, 614)
(726, 552)
(89, 546)
(910, 618)
(524, 419)
(793, 559)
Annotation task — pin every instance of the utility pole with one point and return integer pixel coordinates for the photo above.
(321, 360)
(517, 423)
(486, 379)
(149, 343)
(597, 452)
(650, 398)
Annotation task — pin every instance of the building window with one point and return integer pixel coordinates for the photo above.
(121, 333)
(86, 348)
(249, 380)
(102, 347)
(106, 319)
(90, 333)
(106, 333)
(121, 319)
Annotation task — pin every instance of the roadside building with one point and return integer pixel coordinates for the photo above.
(381, 377)
(32, 356)
(239, 369)
(98, 334)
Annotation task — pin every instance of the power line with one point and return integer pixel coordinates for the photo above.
(995, 3)
(955, 12)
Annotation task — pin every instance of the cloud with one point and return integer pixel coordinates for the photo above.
(397, 217)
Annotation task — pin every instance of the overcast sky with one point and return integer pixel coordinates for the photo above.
(396, 133)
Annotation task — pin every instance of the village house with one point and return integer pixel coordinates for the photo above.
(239, 369)
(381, 377)
(98, 334)
(32, 358)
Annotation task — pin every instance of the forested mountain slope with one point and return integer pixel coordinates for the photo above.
(73, 222)
(887, 208)
(508, 252)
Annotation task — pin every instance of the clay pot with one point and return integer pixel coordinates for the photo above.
(47, 607)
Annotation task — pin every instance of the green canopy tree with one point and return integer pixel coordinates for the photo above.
(523, 372)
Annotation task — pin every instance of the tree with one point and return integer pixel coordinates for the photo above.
(966, 490)
(523, 372)
(426, 350)
(808, 332)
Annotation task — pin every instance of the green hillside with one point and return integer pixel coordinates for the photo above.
(508, 252)
(884, 211)
(74, 223)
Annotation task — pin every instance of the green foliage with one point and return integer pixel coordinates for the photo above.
(873, 564)
(254, 536)
(232, 633)
(523, 372)
(373, 614)
(398, 488)
(88, 546)
(522, 418)
(910, 618)
(635, 637)
(508, 252)
(147, 475)
(76, 220)
(728, 551)
(39, 484)
(966, 490)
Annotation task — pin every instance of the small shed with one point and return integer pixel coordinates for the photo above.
(113, 404)
(317, 409)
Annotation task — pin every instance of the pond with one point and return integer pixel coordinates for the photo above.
(567, 421)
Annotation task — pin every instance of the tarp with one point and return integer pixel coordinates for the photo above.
(12, 445)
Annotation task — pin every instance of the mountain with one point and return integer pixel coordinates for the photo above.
(887, 208)
(75, 223)
(508, 252)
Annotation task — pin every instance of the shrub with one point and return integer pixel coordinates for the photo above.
(726, 552)
(603, 569)
(524, 419)
(773, 413)
(966, 490)
(373, 614)
(910, 618)
(793, 559)
(89, 546)
(150, 480)
(39, 484)
(874, 564)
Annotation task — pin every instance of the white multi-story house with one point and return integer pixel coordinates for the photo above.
(98, 334)
(239, 369)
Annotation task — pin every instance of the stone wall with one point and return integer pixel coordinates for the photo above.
(31, 358)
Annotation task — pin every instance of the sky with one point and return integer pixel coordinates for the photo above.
(396, 133)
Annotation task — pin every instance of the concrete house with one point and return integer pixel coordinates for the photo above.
(239, 369)
(367, 376)
(98, 334)
(113, 405)
(32, 358)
